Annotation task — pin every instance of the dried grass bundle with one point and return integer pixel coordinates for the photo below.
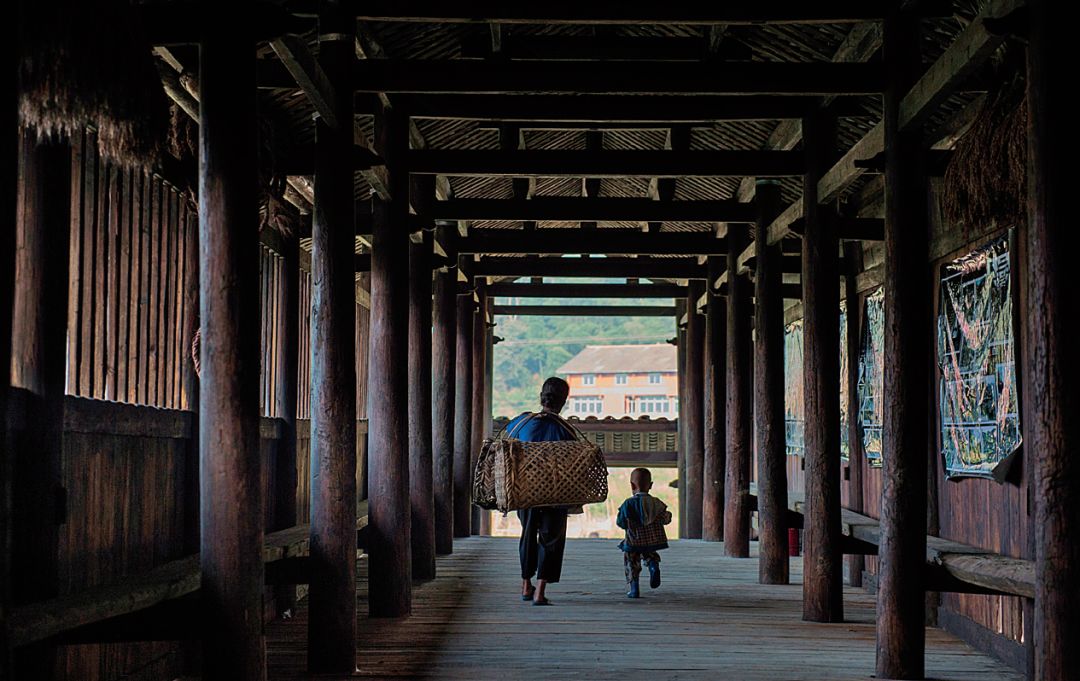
(85, 64)
(986, 179)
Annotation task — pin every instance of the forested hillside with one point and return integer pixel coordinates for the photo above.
(534, 347)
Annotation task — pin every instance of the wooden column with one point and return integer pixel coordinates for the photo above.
(230, 489)
(739, 432)
(823, 573)
(1053, 433)
(489, 371)
(715, 387)
(695, 430)
(463, 417)
(285, 396)
(8, 201)
(902, 554)
(332, 595)
(38, 358)
(189, 380)
(856, 563)
(769, 430)
(479, 378)
(442, 403)
(390, 587)
(680, 361)
(421, 492)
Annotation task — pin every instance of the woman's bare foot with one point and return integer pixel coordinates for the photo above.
(527, 590)
(539, 598)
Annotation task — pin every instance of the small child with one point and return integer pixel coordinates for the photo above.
(643, 517)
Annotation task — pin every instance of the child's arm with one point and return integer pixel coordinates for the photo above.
(620, 519)
(665, 517)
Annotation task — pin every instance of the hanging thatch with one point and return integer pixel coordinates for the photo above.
(183, 134)
(985, 181)
(83, 63)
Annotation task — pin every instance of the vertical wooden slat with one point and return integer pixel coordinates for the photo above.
(177, 326)
(88, 201)
(715, 388)
(112, 276)
(169, 294)
(463, 415)
(123, 297)
(231, 506)
(74, 284)
(138, 353)
(769, 430)
(695, 429)
(1051, 364)
(901, 608)
(443, 360)
(738, 413)
(153, 293)
(38, 350)
(101, 284)
(264, 346)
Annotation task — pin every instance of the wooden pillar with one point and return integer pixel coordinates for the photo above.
(1053, 434)
(230, 490)
(442, 403)
(680, 361)
(902, 554)
(285, 396)
(479, 378)
(769, 429)
(421, 492)
(695, 430)
(38, 358)
(715, 387)
(463, 417)
(823, 573)
(390, 587)
(332, 595)
(739, 432)
(489, 370)
(856, 563)
(8, 201)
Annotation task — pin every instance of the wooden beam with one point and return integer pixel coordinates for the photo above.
(692, 483)
(443, 359)
(563, 12)
(42, 230)
(230, 489)
(847, 228)
(715, 399)
(305, 70)
(901, 606)
(390, 583)
(608, 109)
(463, 76)
(659, 268)
(1050, 301)
(463, 415)
(768, 410)
(585, 310)
(823, 577)
(421, 471)
(606, 164)
(562, 241)
(573, 209)
(510, 290)
(602, 47)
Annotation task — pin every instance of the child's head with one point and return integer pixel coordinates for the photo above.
(640, 480)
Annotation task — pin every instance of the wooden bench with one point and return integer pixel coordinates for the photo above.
(158, 604)
(950, 566)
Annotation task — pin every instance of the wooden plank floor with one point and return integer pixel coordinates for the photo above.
(709, 620)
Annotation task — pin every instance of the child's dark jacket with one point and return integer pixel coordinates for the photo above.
(643, 517)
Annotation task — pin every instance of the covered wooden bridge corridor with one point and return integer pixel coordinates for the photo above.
(251, 281)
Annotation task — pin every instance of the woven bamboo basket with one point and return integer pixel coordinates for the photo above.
(511, 474)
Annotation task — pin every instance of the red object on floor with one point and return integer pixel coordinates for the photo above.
(793, 544)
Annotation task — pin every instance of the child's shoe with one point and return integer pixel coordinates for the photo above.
(654, 573)
(634, 591)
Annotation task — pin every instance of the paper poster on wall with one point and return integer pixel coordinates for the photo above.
(794, 412)
(845, 445)
(980, 420)
(871, 376)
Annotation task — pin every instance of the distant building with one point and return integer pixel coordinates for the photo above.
(623, 380)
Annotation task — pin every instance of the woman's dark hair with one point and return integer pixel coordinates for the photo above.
(554, 392)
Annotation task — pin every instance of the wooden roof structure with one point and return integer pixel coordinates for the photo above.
(257, 417)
